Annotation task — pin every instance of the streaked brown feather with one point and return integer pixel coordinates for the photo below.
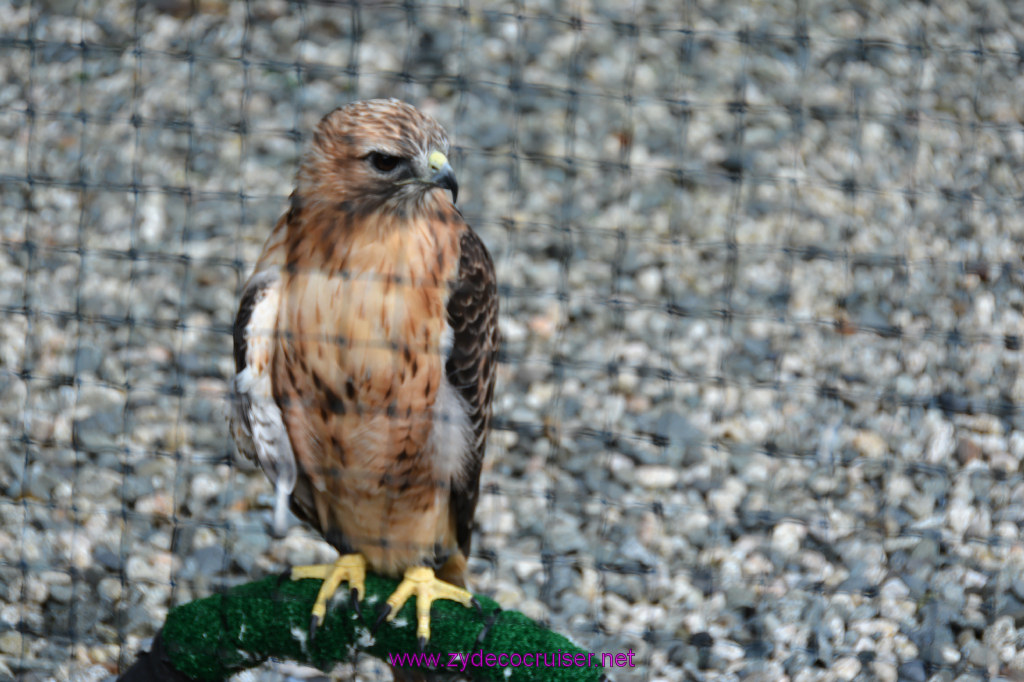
(363, 324)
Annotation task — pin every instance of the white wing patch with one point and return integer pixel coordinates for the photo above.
(258, 425)
(451, 433)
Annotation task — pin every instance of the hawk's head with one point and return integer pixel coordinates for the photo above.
(378, 155)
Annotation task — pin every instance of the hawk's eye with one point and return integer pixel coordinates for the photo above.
(385, 163)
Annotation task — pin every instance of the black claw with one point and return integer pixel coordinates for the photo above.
(488, 623)
(354, 596)
(284, 577)
(475, 604)
(423, 644)
(381, 615)
(314, 623)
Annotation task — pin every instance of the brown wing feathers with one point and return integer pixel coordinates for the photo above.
(473, 316)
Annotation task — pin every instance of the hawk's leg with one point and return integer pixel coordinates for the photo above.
(349, 568)
(421, 581)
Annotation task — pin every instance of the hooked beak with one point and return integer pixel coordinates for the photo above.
(442, 175)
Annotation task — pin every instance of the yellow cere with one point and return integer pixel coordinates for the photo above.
(437, 160)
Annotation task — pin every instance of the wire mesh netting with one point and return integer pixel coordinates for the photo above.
(759, 409)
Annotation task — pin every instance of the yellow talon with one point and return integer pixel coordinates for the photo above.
(349, 568)
(422, 582)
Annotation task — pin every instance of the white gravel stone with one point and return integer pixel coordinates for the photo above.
(787, 536)
(649, 281)
(11, 643)
(728, 651)
(656, 476)
(110, 589)
(884, 671)
(846, 668)
(869, 444)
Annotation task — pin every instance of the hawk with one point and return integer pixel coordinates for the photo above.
(365, 346)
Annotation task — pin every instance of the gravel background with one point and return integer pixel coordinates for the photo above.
(759, 413)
